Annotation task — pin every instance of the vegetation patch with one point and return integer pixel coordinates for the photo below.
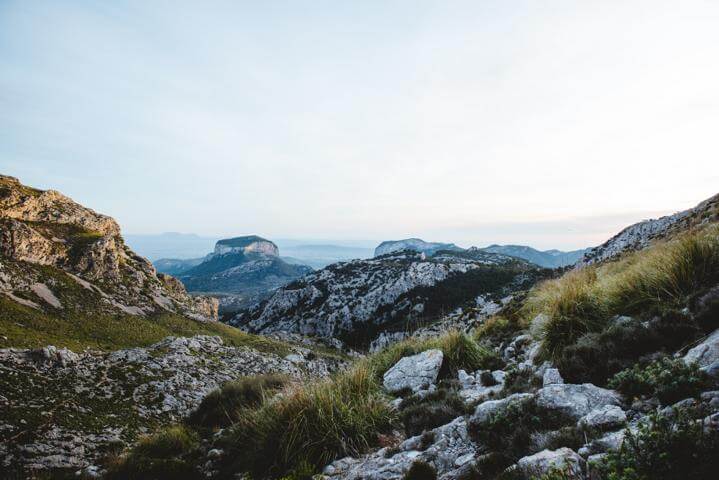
(440, 407)
(677, 447)
(670, 380)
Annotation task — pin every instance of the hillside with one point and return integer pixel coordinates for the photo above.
(413, 244)
(546, 258)
(359, 301)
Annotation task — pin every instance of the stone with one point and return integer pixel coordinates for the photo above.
(706, 353)
(564, 459)
(576, 401)
(603, 418)
(487, 409)
(552, 377)
(415, 372)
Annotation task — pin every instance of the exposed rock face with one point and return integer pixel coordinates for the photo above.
(450, 453)
(412, 244)
(576, 400)
(358, 300)
(706, 353)
(46, 228)
(415, 372)
(81, 403)
(564, 459)
(486, 410)
(246, 245)
(640, 235)
(603, 418)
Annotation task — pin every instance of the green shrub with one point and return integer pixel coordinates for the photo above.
(510, 432)
(222, 407)
(313, 424)
(665, 448)
(670, 380)
(520, 380)
(170, 454)
(435, 409)
(420, 471)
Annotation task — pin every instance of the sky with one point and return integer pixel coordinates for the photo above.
(553, 124)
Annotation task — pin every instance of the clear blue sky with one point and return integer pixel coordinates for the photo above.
(549, 123)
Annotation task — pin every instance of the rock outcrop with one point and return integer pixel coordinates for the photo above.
(46, 228)
(413, 245)
(414, 373)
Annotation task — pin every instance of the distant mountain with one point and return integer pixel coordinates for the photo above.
(319, 256)
(546, 258)
(413, 244)
(361, 300)
(240, 270)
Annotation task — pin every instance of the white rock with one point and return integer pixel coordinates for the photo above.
(706, 353)
(603, 418)
(564, 459)
(552, 377)
(576, 400)
(485, 410)
(415, 372)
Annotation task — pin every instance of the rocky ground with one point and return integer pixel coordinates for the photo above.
(63, 410)
(455, 451)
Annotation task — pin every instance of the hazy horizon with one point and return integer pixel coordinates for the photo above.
(553, 126)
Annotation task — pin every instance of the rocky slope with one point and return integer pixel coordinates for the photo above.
(50, 245)
(546, 258)
(359, 300)
(642, 234)
(62, 411)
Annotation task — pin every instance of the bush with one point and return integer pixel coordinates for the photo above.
(676, 448)
(420, 471)
(520, 380)
(313, 424)
(169, 454)
(222, 407)
(435, 409)
(510, 433)
(670, 380)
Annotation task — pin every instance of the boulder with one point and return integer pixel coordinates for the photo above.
(485, 410)
(576, 401)
(706, 353)
(552, 377)
(415, 372)
(603, 418)
(565, 459)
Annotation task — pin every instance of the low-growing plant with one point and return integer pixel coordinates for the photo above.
(313, 424)
(222, 407)
(670, 380)
(676, 447)
(420, 470)
(167, 455)
(430, 411)
(520, 380)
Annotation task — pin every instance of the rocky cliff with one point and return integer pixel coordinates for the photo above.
(412, 244)
(48, 241)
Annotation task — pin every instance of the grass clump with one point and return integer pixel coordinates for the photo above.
(440, 407)
(652, 280)
(170, 454)
(665, 448)
(313, 424)
(420, 470)
(670, 380)
(222, 407)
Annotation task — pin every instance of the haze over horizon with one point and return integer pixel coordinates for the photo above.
(472, 123)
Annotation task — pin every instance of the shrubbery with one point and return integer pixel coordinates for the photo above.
(666, 448)
(221, 408)
(433, 410)
(670, 380)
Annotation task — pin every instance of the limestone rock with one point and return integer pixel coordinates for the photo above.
(603, 418)
(706, 353)
(564, 459)
(576, 400)
(415, 372)
(552, 377)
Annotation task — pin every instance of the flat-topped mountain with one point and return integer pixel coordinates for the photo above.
(413, 244)
(247, 244)
(58, 255)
